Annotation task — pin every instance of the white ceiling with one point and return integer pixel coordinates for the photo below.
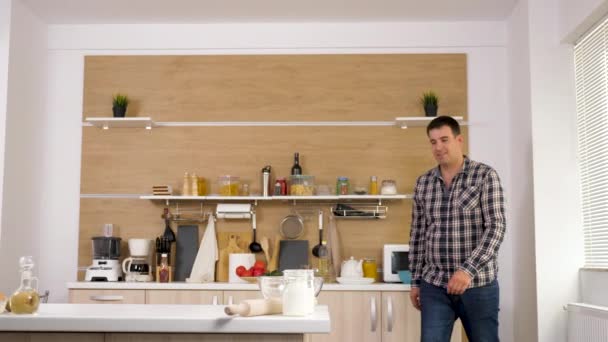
(215, 11)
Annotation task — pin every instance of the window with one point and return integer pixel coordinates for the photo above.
(591, 72)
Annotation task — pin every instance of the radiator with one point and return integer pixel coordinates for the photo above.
(587, 323)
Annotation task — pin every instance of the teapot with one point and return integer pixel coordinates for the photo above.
(352, 268)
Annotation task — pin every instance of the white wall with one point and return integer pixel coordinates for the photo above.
(484, 42)
(25, 129)
(558, 234)
(578, 16)
(522, 196)
(5, 29)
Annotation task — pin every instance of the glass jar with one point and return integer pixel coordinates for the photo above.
(299, 292)
(26, 299)
(373, 185)
(228, 185)
(370, 268)
(389, 187)
(342, 186)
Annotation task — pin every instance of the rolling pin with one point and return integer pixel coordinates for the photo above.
(255, 307)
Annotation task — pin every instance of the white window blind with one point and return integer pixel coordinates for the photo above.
(591, 69)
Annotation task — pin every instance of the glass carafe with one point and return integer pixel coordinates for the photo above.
(299, 292)
(26, 300)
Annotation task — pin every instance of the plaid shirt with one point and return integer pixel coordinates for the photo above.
(459, 228)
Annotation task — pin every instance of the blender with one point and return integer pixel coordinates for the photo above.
(105, 267)
(137, 267)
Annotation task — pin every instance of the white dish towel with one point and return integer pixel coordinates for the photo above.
(203, 270)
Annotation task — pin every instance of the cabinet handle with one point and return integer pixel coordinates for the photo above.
(230, 300)
(389, 310)
(374, 314)
(214, 301)
(107, 298)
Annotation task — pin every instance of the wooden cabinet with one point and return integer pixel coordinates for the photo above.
(373, 316)
(87, 296)
(355, 316)
(184, 297)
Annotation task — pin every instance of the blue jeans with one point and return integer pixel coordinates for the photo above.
(477, 309)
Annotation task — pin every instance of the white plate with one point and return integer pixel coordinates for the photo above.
(355, 281)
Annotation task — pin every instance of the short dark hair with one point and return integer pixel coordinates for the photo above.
(441, 121)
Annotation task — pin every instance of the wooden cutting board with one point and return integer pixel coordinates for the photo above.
(229, 242)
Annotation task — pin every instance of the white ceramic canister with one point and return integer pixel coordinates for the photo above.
(239, 259)
(299, 293)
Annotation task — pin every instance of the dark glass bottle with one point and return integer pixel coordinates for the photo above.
(296, 169)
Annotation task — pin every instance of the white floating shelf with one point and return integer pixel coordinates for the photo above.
(276, 198)
(420, 121)
(111, 122)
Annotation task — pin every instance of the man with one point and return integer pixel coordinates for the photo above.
(458, 224)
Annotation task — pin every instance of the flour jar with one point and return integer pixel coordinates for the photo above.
(299, 293)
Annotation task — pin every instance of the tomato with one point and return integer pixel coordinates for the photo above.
(247, 273)
(259, 264)
(240, 270)
(258, 272)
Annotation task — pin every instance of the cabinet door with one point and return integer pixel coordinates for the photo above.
(235, 297)
(355, 316)
(183, 297)
(90, 296)
(401, 320)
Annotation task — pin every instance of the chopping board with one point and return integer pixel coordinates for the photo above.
(229, 242)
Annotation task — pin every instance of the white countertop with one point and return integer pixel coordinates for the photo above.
(225, 286)
(159, 318)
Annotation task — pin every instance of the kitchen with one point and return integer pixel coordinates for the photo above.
(47, 77)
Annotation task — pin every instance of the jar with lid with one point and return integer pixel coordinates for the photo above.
(299, 292)
(389, 187)
(342, 186)
(370, 268)
(373, 185)
(26, 299)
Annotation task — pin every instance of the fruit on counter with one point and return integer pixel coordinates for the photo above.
(258, 269)
(275, 273)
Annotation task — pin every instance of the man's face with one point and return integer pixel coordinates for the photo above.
(446, 147)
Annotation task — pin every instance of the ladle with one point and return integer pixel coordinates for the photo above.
(315, 249)
(254, 246)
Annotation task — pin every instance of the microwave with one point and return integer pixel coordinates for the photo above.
(395, 259)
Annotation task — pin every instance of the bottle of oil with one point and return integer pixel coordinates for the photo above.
(26, 300)
(324, 262)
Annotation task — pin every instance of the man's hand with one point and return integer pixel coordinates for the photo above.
(415, 297)
(459, 282)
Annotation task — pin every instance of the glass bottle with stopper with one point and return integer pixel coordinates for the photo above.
(26, 299)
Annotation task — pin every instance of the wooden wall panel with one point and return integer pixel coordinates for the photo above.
(132, 160)
(275, 87)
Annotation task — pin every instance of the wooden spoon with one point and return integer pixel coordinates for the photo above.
(265, 247)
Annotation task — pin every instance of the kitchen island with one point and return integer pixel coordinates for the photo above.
(155, 322)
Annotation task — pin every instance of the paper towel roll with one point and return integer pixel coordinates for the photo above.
(235, 260)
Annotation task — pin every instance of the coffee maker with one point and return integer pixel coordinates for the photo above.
(137, 266)
(105, 267)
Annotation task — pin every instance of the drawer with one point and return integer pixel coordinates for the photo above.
(108, 296)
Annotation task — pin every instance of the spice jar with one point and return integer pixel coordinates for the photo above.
(342, 186)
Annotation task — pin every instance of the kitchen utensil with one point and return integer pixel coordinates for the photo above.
(273, 264)
(169, 234)
(254, 246)
(255, 307)
(271, 286)
(186, 248)
(292, 226)
(293, 254)
(315, 249)
(333, 240)
(230, 247)
(265, 248)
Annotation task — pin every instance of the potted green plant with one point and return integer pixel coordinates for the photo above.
(119, 105)
(430, 102)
